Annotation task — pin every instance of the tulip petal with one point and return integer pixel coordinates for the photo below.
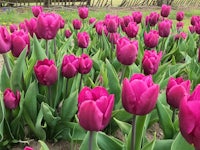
(99, 91)
(51, 75)
(196, 94)
(85, 94)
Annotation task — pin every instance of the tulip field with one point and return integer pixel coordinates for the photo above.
(86, 80)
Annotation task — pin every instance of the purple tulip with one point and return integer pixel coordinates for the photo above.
(179, 25)
(28, 148)
(83, 12)
(195, 19)
(36, 10)
(101, 28)
(192, 29)
(139, 94)
(111, 25)
(48, 25)
(70, 66)
(11, 99)
(127, 20)
(132, 30)
(99, 104)
(181, 35)
(164, 28)
(62, 22)
(32, 26)
(85, 64)
(165, 10)
(179, 16)
(68, 33)
(151, 39)
(153, 18)
(20, 40)
(126, 51)
(92, 20)
(114, 37)
(13, 28)
(22, 26)
(189, 116)
(177, 89)
(5, 40)
(46, 72)
(83, 39)
(137, 16)
(151, 61)
(77, 24)
(197, 27)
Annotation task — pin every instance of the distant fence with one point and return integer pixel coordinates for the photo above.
(100, 3)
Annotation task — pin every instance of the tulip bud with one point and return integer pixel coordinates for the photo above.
(151, 39)
(62, 22)
(5, 40)
(68, 33)
(70, 66)
(83, 39)
(179, 25)
(77, 24)
(132, 30)
(153, 18)
(13, 28)
(111, 25)
(195, 19)
(114, 37)
(151, 61)
(181, 35)
(85, 64)
(139, 94)
(32, 26)
(127, 20)
(11, 99)
(179, 16)
(36, 10)
(165, 10)
(192, 29)
(101, 28)
(137, 16)
(164, 28)
(197, 27)
(83, 12)
(46, 72)
(92, 20)
(99, 104)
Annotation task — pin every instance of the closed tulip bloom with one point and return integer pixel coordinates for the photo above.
(22, 26)
(92, 20)
(197, 27)
(101, 28)
(165, 10)
(11, 99)
(70, 66)
(20, 40)
(28, 148)
(139, 94)
(85, 64)
(48, 25)
(111, 25)
(68, 33)
(179, 16)
(127, 20)
(62, 22)
(126, 51)
(179, 25)
(189, 116)
(83, 12)
(137, 17)
(151, 39)
(195, 19)
(153, 18)
(83, 39)
(5, 40)
(151, 61)
(36, 10)
(164, 28)
(132, 30)
(114, 37)
(98, 103)
(181, 35)
(77, 24)
(46, 72)
(32, 26)
(13, 28)
(177, 89)
(192, 29)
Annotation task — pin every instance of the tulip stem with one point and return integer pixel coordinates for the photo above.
(7, 64)
(55, 48)
(133, 134)
(123, 73)
(80, 83)
(173, 114)
(47, 51)
(90, 140)
(49, 96)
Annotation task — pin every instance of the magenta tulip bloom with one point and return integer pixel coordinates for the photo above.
(32, 26)
(137, 16)
(22, 26)
(114, 37)
(48, 25)
(177, 89)
(111, 25)
(83, 12)
(99, 104)
(127, 20)
(28, 148)
(197, 27)
(153, 18)
(195, 19)
(62, 22)
(139, 94)
(151, 39)
(179, 25)
(165, 10)
(179, 16)
(85, 64)
(5, 40)
(36, 10)
(20, 40)
(164, 28)
(13, 28)
(181, 35)
(151, 61)
(192, 29)
(83, 39)
(46, 72)
(92, 20)
(132, 30)
(11, 99)
(77, 24)
(70, 66)
(68, 33)
(126, 51)
(101, 28)
(189, 116)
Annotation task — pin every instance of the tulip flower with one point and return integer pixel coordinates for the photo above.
(68, 33)
(114, 37)
(22, 26)
(83, 12)
(70, 66)
(85, 64)
(111, 25)
(151, 61)
(28, 148)
(126, 51)
(181, 35)
(177, 89)
(179, 25)
(165, 10)
(151, 39)
(5, 40)
(132, 30)
(46, 72)
(83, 39)
(62, 22)
(11, 99)
(20, 40)
(164, 28)
(32, 26)
(13, 27)
(92, 20)
(77, 24)
(179, 16)
(192, 29)
(195, 19)
(48, 25)
(36, 10)
(139, 94)
(101, 28)
(153, 18)
(137, 16)
(127, 20)
(99, 104)
(189, 116)
(197, 27)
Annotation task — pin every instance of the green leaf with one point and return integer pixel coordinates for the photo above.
(122, 115)
(150, 145)
(43, 145)
(2, 117)
(163, 144)
(125, 127)
(38, 50)
(181, 143)
(4, 79)
(41, 134)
